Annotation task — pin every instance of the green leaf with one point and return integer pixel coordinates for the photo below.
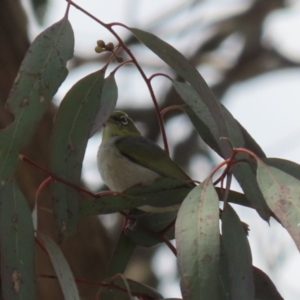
(162, 193)
(62, 268)
(239, 257)
(206, 124)
(224, 275)
(121, 255)
(203, 123)
(108, 102)
(264, 287)
(41, 73)
(17, 244)
(284, 165)
(281, 192)
(198, 243)
(71, 131)
(224, 122)
(245, 176)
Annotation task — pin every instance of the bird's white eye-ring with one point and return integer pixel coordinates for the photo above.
(123, 120)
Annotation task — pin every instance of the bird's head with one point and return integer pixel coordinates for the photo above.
(119, 124)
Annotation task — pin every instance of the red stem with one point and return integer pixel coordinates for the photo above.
(56, 178)
(135, 62)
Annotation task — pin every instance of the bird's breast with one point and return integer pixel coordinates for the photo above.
(118, 172)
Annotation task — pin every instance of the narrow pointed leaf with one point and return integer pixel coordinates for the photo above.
(71, 131)
(206, 124)
(281, 192)
(108, 102)
(198, 243)
(164, 192)
(160, 194)
(40, 75)
(224, 275)
(17, 245)
(238, 254)
(62, 268)
(245, 176)
(121, 255)
(224, 122)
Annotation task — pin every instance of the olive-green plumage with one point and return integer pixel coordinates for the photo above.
(126, 158)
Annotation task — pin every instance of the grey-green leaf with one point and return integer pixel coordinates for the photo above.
(17, 245)
(71, 132)
(121, 255)
(108, 102)
(41, 73)
(62, 268)
(238, 254)
(198, 243)
(284, 165)
(187, 71)
(164, 192)
(281, 192)
(206, 124)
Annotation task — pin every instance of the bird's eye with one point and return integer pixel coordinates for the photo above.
(123, 120)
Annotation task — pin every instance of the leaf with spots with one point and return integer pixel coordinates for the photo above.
(282, 193)
(17, 244)
(206, 124)
(73, 123)
(198, 243)
(238, 254)
(40, 75)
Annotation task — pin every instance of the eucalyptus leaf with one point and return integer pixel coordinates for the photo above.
(40, 75)
(62, 268)
(108, 102)
(72, 126)
(162, 193)
(281, 192)
(284, 165)
(187, 71)
(198, 243)
(17, 245)
(238, 253)
(206, 125)
(121, 255)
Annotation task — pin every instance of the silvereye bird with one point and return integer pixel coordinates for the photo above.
(126, 158)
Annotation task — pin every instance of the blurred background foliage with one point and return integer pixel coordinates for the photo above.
(225, 41)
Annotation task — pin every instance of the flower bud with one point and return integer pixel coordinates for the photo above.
(98, 49)
(110, 47)
(101, 43)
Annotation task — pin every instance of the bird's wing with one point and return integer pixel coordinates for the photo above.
(146, 153)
